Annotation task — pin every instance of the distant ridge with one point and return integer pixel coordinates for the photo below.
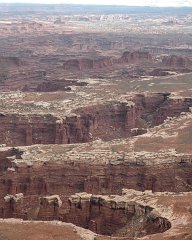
(91, 9)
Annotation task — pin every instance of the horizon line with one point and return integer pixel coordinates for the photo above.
(94, 4)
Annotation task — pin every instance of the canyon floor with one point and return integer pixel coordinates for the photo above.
(95, 122)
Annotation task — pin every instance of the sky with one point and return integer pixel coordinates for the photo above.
(160, 3)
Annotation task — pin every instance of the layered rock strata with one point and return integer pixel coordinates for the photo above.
(175, 61)
(117, 217)
(30, 189)
(86, 63)
(107, 121)
(135, 57)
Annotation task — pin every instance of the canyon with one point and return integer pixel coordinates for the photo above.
(108, 121)
(30, 189)
(95, 122)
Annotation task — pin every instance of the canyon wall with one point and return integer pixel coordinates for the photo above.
(108, 216)
(76, 177)
(175, 61)
(62, 177)
(103, 62)
(107, 121)
(86, 63)
(135, 57)
(87, 124)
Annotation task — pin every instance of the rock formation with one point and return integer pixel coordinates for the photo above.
(109, 121)
(175, 62)
(95, 171)
(49, 207)
(108, 216)
(86, 63)
(82, 64)
(132, 214)
(135, 57)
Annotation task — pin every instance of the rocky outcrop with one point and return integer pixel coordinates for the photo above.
(49, 207)
(13, 205)
(86, 63)
(108, 216)
(14, 199)
(175, 61)
(53, 200)
(135, 57)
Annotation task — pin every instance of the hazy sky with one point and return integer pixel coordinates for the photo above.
(176, 3)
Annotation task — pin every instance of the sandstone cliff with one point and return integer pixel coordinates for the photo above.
(135, 57)
(86, 63)
(114, 217)
(30, 172)
(175, 61)
(108, 121)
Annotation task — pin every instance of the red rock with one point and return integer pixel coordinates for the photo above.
(40, 179)
(117, 218)
(85, 64)
(174, 61)
(107, 121)
(135, 57)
